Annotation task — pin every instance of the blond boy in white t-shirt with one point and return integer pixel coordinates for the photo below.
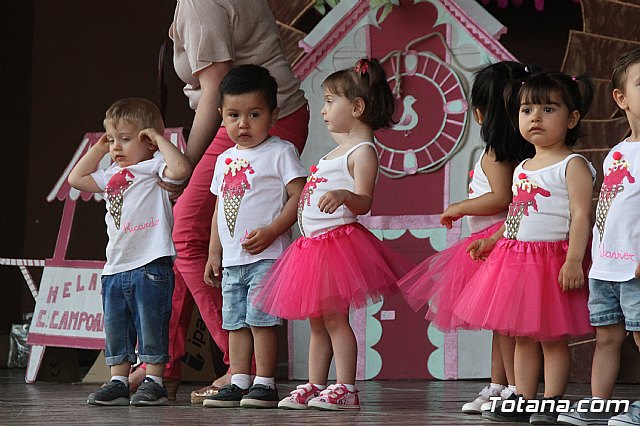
(137, 279)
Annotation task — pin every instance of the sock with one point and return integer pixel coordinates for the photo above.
(243, 381)
(350, 388)
(512, 388)
(123, 379)
(156, 379)
(269, 382)
(497, 386)
(320, 387)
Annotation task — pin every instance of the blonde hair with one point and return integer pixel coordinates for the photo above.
(138, 111)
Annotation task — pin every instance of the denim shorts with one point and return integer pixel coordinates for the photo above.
(239, 284)
(615, 302)
(137, 308)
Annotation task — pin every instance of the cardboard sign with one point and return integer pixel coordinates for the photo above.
(68, 309)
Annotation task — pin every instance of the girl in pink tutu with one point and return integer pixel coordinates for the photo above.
(337, 263)
(532, 284)
(439, 280)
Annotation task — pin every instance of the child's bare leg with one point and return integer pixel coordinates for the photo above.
(155, 369)
(121, 369)
(507, 349)
(527, 366)
(345, 348)
(498, 374)
(240, 350)
(606, 359)
(320, 352)
(265, 340)
(557, 363)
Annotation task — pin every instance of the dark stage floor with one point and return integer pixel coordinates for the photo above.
(383, 402)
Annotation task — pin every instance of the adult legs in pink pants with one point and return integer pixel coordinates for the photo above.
(192, 229)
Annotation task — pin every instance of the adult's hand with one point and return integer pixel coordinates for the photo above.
(175, 189)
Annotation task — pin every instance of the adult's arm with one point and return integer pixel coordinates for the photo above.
(207, 118)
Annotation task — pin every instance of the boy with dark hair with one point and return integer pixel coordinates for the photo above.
(614, 278)
(257, 183)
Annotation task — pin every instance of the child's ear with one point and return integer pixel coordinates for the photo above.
(274, 116)
(620, 99)
(478, 116)
(574, 117)
(358, 107)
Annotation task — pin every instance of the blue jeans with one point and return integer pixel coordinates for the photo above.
(137, 307)
(615, 302)
(239, 284)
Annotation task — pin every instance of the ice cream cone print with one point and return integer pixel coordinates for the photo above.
(234, 185)
(611, 187)
(305, 196)
(524, 193)
(115, 189)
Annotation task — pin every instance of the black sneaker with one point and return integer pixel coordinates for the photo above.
(228, 396)
(546, 416)
(261, 396)
(508, 415)
(113, 393)
(149, 393)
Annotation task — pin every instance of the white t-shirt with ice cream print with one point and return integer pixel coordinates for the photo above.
(615, 247)
(539, 210)
(251, 188)
(139, 214)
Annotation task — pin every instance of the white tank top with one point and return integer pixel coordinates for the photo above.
(327, 176)
(479, 186)
(539, 210)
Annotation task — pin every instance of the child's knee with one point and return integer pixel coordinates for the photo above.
(636, 338)
(611, 336)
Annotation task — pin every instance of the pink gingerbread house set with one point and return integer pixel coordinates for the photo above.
(430, 50)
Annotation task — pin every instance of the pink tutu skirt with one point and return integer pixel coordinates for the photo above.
(516, 293)
(440, 279)
(342, 268)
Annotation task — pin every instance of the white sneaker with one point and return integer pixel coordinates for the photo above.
(475, 406)
(631, 417)
(505, 394)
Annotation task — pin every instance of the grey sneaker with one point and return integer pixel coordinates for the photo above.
(545, 416)
(149, 393)
(113, 393)
(227, 397)
(631, 417)
(507, 415)
(260, 396)
(573, 417)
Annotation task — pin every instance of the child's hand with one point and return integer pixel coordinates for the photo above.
(103, 144)
(212, 270)
(258, 240)
(480, 249)
(149, 135)
(450, 215)
(571, 275)
(637, 273)
(331, 200)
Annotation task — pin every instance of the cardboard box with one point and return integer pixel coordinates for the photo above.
(59, 365)
(197, 364)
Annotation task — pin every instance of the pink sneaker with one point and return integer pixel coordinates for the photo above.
(300, 397)
(336, 397)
